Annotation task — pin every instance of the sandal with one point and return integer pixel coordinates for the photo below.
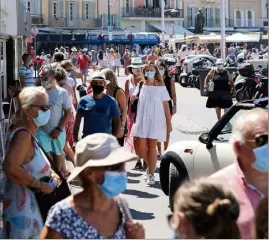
(159, 153)
(138, 164)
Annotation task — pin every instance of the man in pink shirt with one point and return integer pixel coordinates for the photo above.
(248, 176)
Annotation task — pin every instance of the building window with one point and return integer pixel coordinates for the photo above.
(55, 9)
(29, 6)
(249, 18)
(87, 8)
(127, 5)
(71, 11)
(238, 18)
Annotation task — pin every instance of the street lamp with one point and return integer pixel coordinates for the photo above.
(222, 42)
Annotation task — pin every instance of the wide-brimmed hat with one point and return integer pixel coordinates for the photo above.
(136, 62)
(84, 50)
(74, 49)
(97, 76)
(99, 150)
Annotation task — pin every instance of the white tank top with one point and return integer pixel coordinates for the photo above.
(132, 88)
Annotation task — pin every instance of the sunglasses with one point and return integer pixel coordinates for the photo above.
(171, 222)
(260, 139)
(43, 108)
(114, 168)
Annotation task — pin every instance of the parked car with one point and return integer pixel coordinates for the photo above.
(185, 160)
(187, 66)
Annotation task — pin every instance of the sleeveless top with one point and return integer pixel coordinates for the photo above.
(221, 81)
(132, 87)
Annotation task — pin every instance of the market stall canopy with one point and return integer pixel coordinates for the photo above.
(239, 37)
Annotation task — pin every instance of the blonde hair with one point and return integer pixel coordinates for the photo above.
(212, 209)
(67, 63)
(113, 85)
(26, 98)
(60, 74)
(158, 76)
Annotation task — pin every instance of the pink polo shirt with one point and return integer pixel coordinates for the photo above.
(247, 195)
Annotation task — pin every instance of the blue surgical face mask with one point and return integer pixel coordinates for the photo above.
(161, 72)
(114, 183)
(261, 162)
(150, 74)
(42, 118)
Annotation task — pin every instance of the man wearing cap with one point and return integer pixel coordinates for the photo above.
(99, 111)
(83, 62)
(74, 56)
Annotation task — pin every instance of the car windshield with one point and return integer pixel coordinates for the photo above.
(226, 132)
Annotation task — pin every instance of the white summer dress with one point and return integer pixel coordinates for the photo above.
(150, 120)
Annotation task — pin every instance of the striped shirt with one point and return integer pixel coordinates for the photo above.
(27, 73)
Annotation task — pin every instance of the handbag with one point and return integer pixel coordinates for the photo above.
(61, 191)
(135, 102)
(211, 84)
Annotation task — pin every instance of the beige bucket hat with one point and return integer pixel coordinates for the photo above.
(97, 75)
(99, 150)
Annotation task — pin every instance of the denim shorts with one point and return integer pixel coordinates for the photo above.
(84, 72)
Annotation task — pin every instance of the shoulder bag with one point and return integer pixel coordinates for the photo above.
(61, 191)
(135, 102)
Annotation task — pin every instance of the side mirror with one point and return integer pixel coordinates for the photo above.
(204, 138)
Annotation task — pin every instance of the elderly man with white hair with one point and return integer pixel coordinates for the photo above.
(248, 176)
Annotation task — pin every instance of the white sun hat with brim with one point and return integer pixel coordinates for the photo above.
(97, 76)
(99, 150)
(74, 49)
(136, 62)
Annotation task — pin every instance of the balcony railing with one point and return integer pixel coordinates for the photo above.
(37, 19)
(75, 22)
(151, 13)
(229, 23)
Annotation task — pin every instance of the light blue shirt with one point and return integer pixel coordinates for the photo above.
(27, 73)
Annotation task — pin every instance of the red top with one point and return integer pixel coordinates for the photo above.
(83, 62)
(152, 58)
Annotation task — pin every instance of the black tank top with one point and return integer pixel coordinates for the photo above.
(221, 81)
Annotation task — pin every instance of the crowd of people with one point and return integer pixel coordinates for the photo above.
(45, 139)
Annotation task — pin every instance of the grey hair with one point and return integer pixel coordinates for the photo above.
(243, 124)
(27, 97)
(50, 70)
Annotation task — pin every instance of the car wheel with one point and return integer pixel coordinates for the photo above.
(172, 158)
(183, 81)
(164, 174)
(174, 183)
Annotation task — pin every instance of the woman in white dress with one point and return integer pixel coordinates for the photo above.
(153, 118)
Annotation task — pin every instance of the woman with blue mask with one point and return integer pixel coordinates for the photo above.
(171, 88)
(204, 209)
(26, 168)
(153, 117)
(97, 212)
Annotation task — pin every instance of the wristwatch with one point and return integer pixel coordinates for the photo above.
(59, 129)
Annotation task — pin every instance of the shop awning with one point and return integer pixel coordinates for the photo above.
(177, 29)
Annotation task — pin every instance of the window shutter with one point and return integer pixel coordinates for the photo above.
(35, 10)
(61, 9)
(77, 6)
(217, 16)
(92, 10)
(67, 7)
(118, 21)
(104, 20)
(84, 10)
(211, 17)
(50, 8)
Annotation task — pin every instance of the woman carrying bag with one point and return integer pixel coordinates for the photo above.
(218, 84)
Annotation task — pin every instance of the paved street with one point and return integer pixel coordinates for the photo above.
(149, 204)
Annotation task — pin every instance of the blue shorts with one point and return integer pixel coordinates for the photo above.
(55, 146)
(84, 72)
